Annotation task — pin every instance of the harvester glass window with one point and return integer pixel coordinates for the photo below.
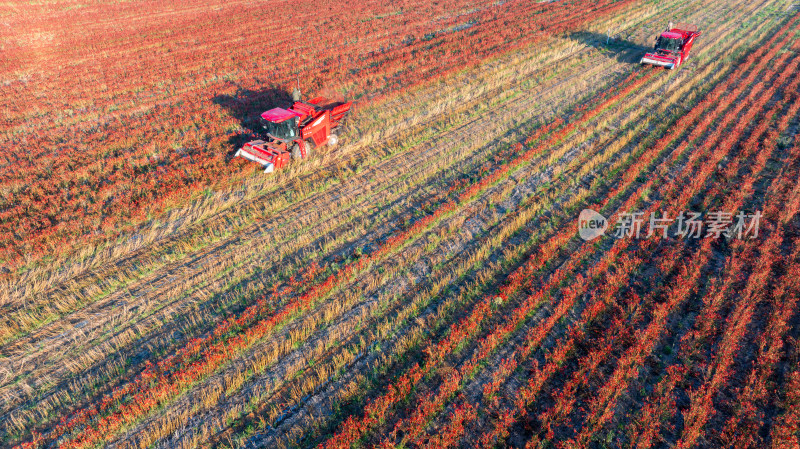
(668, 44)
(286, 130)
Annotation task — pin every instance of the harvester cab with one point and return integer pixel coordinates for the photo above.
(669, 42)
(292, 133)
(672, 46)
(279, 124)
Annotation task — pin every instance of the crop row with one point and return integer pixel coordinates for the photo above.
(536, 381)
(448, 384)
(293, 326)
(469, 192)
(139, 404)
(117, 172)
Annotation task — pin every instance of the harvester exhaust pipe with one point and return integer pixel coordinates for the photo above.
(296, 95)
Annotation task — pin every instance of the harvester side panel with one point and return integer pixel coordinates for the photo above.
(319, 129)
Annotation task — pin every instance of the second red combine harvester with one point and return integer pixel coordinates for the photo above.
(292, 133)
(672, 47)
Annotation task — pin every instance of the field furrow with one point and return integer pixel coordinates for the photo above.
(428, 282)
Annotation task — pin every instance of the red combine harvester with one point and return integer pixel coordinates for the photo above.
(672, 47)
(292, 133)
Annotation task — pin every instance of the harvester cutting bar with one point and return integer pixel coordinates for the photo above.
(270, 158)
(659, 61)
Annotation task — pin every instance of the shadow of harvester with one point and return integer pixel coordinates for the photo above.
(622, 50)
(246, 106)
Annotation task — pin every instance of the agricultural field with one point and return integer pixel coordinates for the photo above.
(427, 282)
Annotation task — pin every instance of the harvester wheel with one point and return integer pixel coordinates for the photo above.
(310, 145)
(333, 140)
(296, 154)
